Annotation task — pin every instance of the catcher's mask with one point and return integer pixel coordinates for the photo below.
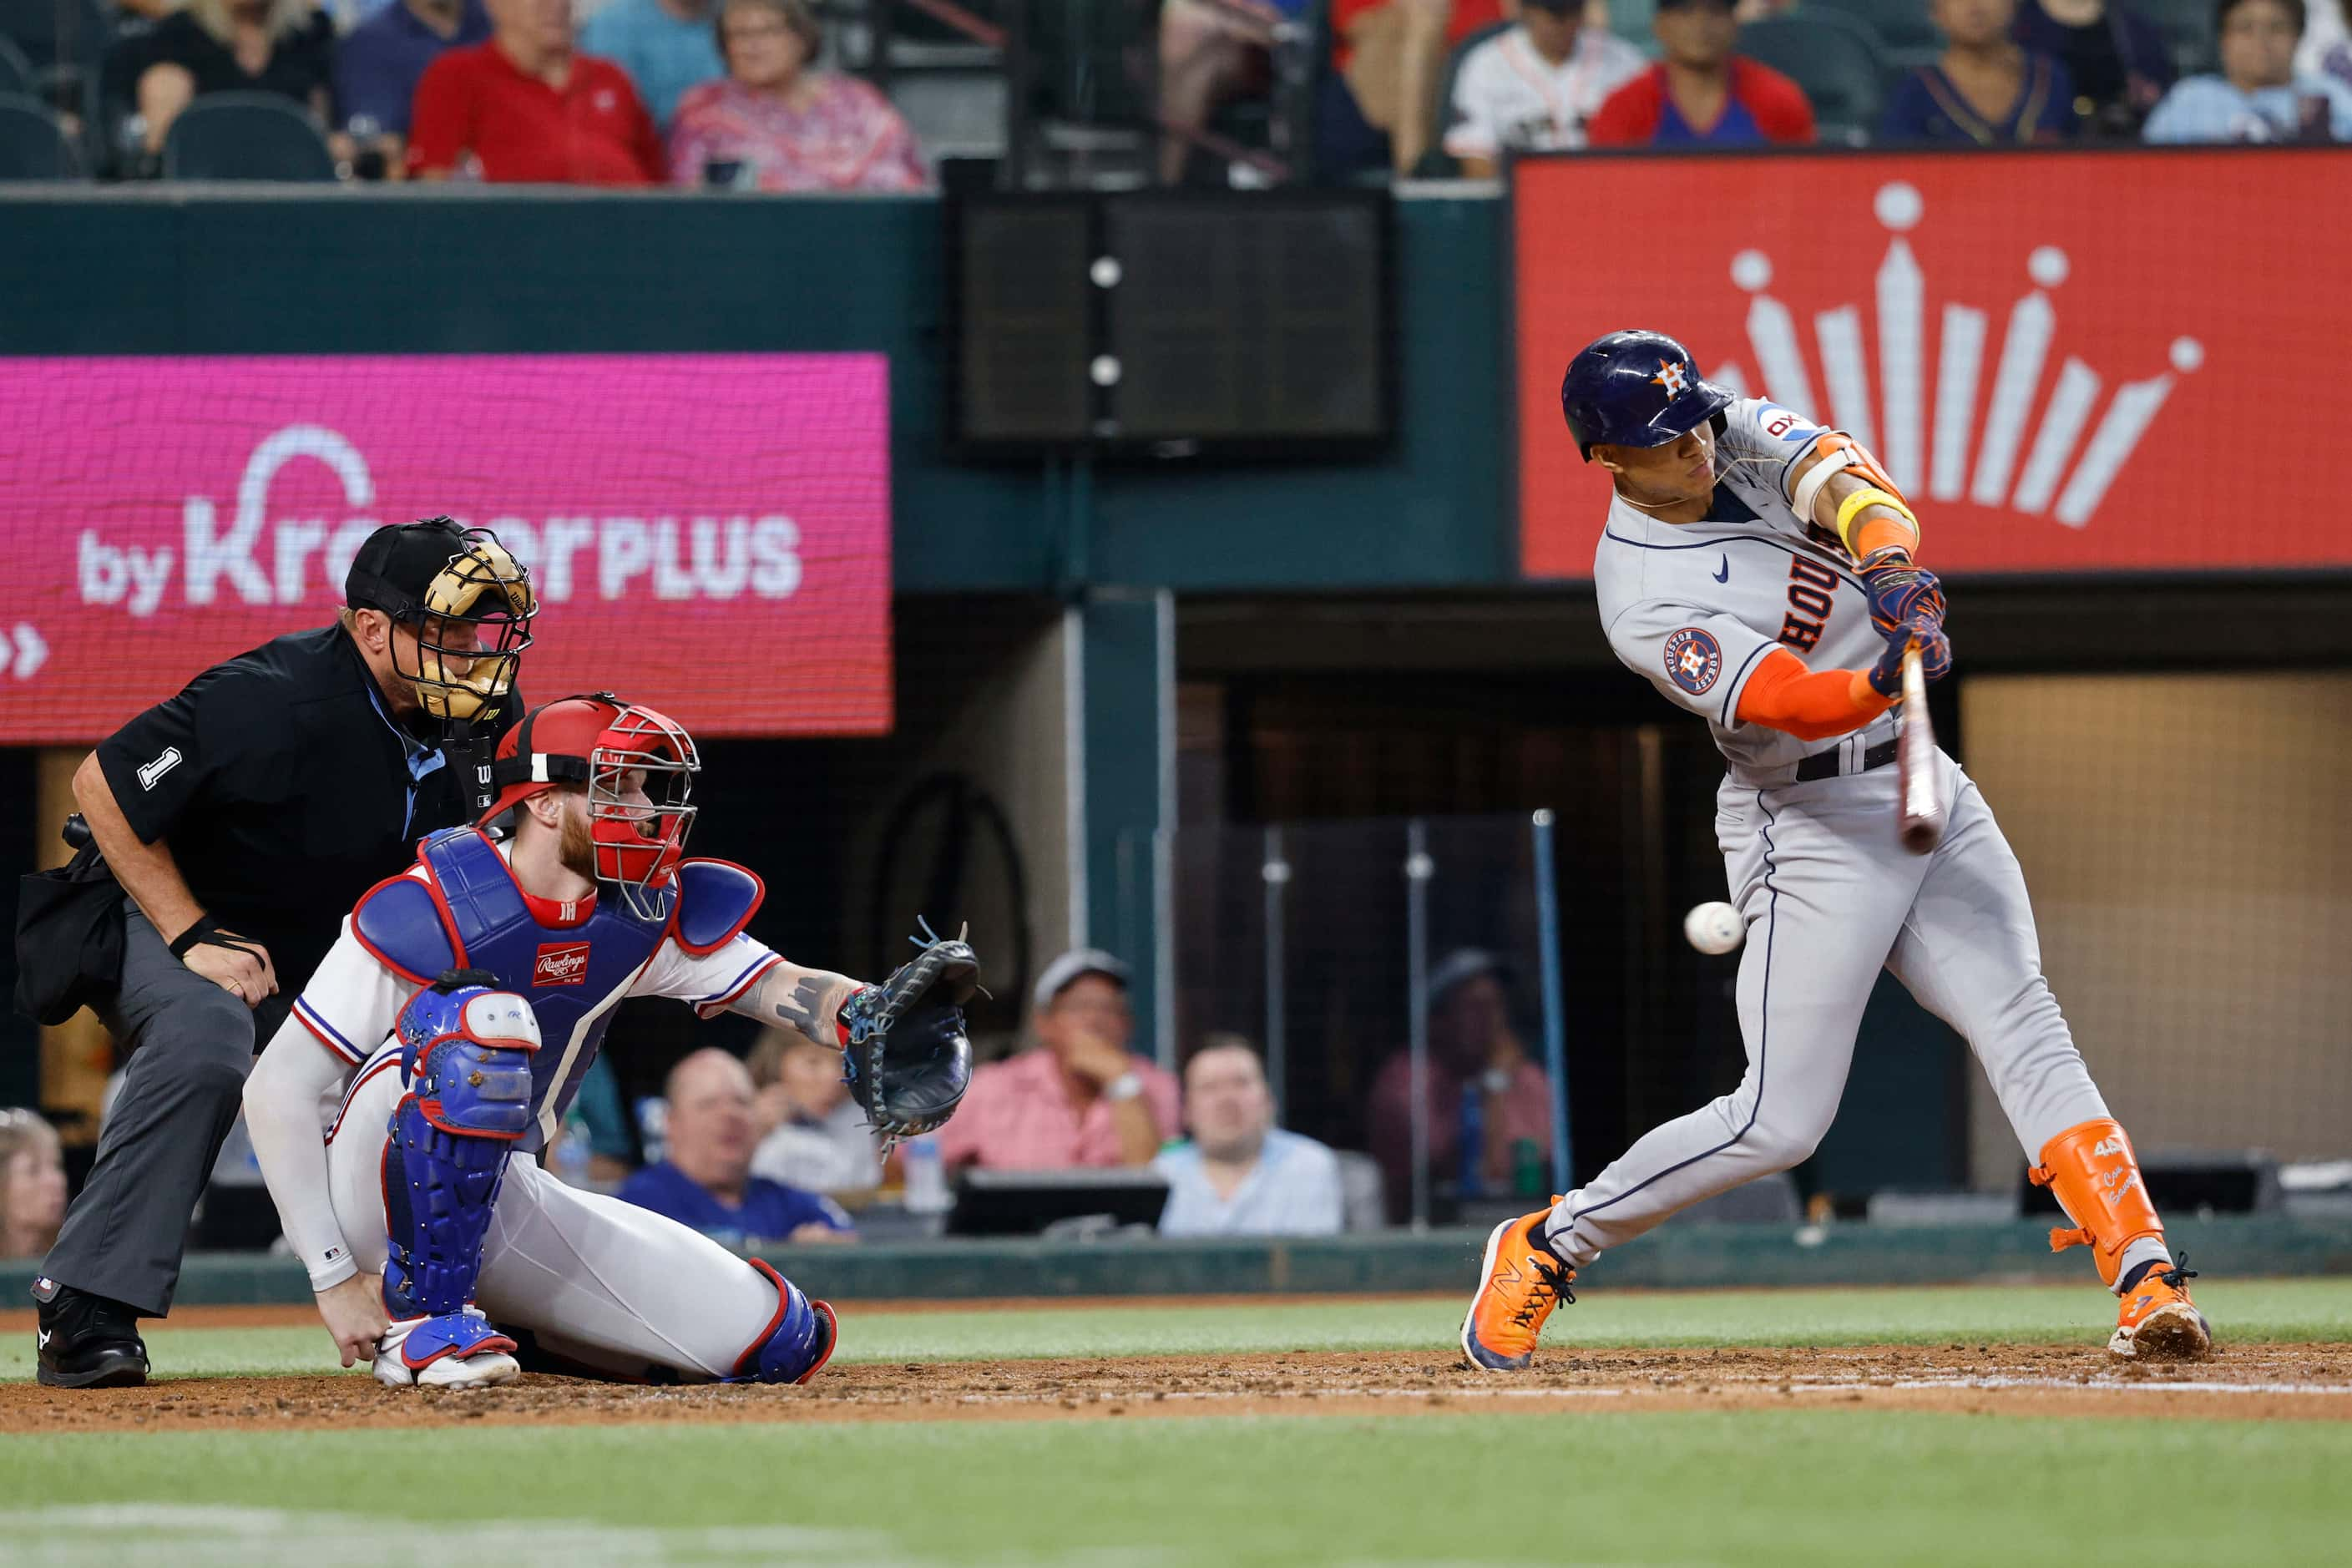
(638, 767)
(468, 603)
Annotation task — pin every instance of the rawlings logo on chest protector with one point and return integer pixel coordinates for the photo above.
(560, 964)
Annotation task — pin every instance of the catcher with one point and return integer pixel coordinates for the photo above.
(457, 1014)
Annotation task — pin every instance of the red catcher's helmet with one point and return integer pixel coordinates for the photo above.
(597, 740)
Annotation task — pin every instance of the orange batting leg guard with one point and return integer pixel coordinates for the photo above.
(2092, 1168)
(2096, 1178)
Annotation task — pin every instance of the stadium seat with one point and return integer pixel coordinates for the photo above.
(245, 136)
(1834, 59)
(1436, 164)
(1905, 33)
(32, 144)
(15, 71)
(2188, 28)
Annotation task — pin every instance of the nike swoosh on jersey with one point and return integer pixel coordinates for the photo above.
(1724, 573)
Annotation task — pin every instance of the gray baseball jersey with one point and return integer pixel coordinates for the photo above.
(1695, 606)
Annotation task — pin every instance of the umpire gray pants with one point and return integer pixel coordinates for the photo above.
(191, 1044)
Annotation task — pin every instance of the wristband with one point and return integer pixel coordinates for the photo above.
(206, 932)
(201, 928)
(1855, 503)
(1125, 1086)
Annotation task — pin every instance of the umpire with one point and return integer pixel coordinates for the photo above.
(244, 817)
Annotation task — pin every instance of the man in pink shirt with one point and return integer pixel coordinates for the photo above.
(1079, 1097)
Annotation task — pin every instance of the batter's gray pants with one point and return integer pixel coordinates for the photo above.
(1830, 898)
(191, 1044)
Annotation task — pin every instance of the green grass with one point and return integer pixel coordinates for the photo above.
(2243, 1310)
(1806, 1484)
(1798, 1487)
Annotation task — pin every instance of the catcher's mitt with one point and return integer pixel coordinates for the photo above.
(906, 1057)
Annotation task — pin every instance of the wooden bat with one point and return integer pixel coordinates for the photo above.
(1919, 825)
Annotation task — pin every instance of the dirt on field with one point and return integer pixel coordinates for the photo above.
(2254, 1382)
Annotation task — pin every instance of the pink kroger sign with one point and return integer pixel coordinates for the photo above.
(709, 534)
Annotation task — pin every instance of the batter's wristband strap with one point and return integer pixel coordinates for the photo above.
(1860, 501)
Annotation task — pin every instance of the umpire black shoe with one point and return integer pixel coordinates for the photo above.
(87, 1341)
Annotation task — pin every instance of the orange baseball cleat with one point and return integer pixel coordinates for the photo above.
(2159, 1321)
(1521, 1284)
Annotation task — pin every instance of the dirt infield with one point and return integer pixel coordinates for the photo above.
(2293, 1383)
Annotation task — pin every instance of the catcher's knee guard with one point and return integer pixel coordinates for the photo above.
(2095, 1177)
(798, 1340)
(465, 1060)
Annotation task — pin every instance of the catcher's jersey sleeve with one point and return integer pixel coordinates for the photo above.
(710, 983)
(1700, 658)
(290, 1103)
(353, 1000)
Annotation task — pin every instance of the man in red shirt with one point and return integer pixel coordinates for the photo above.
(1701, 94)
(524, 108)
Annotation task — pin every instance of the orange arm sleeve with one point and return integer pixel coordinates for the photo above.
(1810, 704)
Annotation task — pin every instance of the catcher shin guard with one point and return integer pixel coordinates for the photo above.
(466, 1064)
(797, 1341)
(2091, 1170)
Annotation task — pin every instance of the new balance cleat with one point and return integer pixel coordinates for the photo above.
(1521, 1284)
(2159, 1321)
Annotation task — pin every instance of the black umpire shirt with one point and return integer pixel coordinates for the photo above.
(284, 791)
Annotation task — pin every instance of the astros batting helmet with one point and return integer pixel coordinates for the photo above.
(1635, 389)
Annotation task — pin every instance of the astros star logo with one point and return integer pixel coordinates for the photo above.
(1672, 375)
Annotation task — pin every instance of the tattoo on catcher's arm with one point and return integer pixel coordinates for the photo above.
(806, 1007)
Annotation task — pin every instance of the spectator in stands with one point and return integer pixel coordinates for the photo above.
(378, 65)
(1079, 1096)
(526, 108)
(2258, 95)
(32, 1184)
(1211, 52)
(773, 123)
(1702, 94)
(1240, 1175)
(813, 1135)
(1532, 88)
(705, 1179)
(2326, 47)
(1481, 1081)
(666, 46)
(280, 46)
(1985, 88)
(2116, 57)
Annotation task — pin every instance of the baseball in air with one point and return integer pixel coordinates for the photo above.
(1714, 928)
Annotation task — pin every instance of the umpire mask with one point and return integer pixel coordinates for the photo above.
(465, 601)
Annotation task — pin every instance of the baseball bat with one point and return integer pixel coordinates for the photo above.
(1920, 823)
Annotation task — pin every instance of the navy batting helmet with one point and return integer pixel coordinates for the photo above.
(1635, 389)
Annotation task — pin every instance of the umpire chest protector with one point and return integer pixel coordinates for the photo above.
(467, 912)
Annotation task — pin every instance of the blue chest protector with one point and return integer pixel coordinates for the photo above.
(472, 916)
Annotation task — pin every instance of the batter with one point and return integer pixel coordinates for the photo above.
(454, 1018)
(1758, 571)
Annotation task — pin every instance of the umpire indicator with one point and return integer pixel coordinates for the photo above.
(236, 823)
(1758, 571)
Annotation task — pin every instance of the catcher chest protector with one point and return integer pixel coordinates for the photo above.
(469, 914)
